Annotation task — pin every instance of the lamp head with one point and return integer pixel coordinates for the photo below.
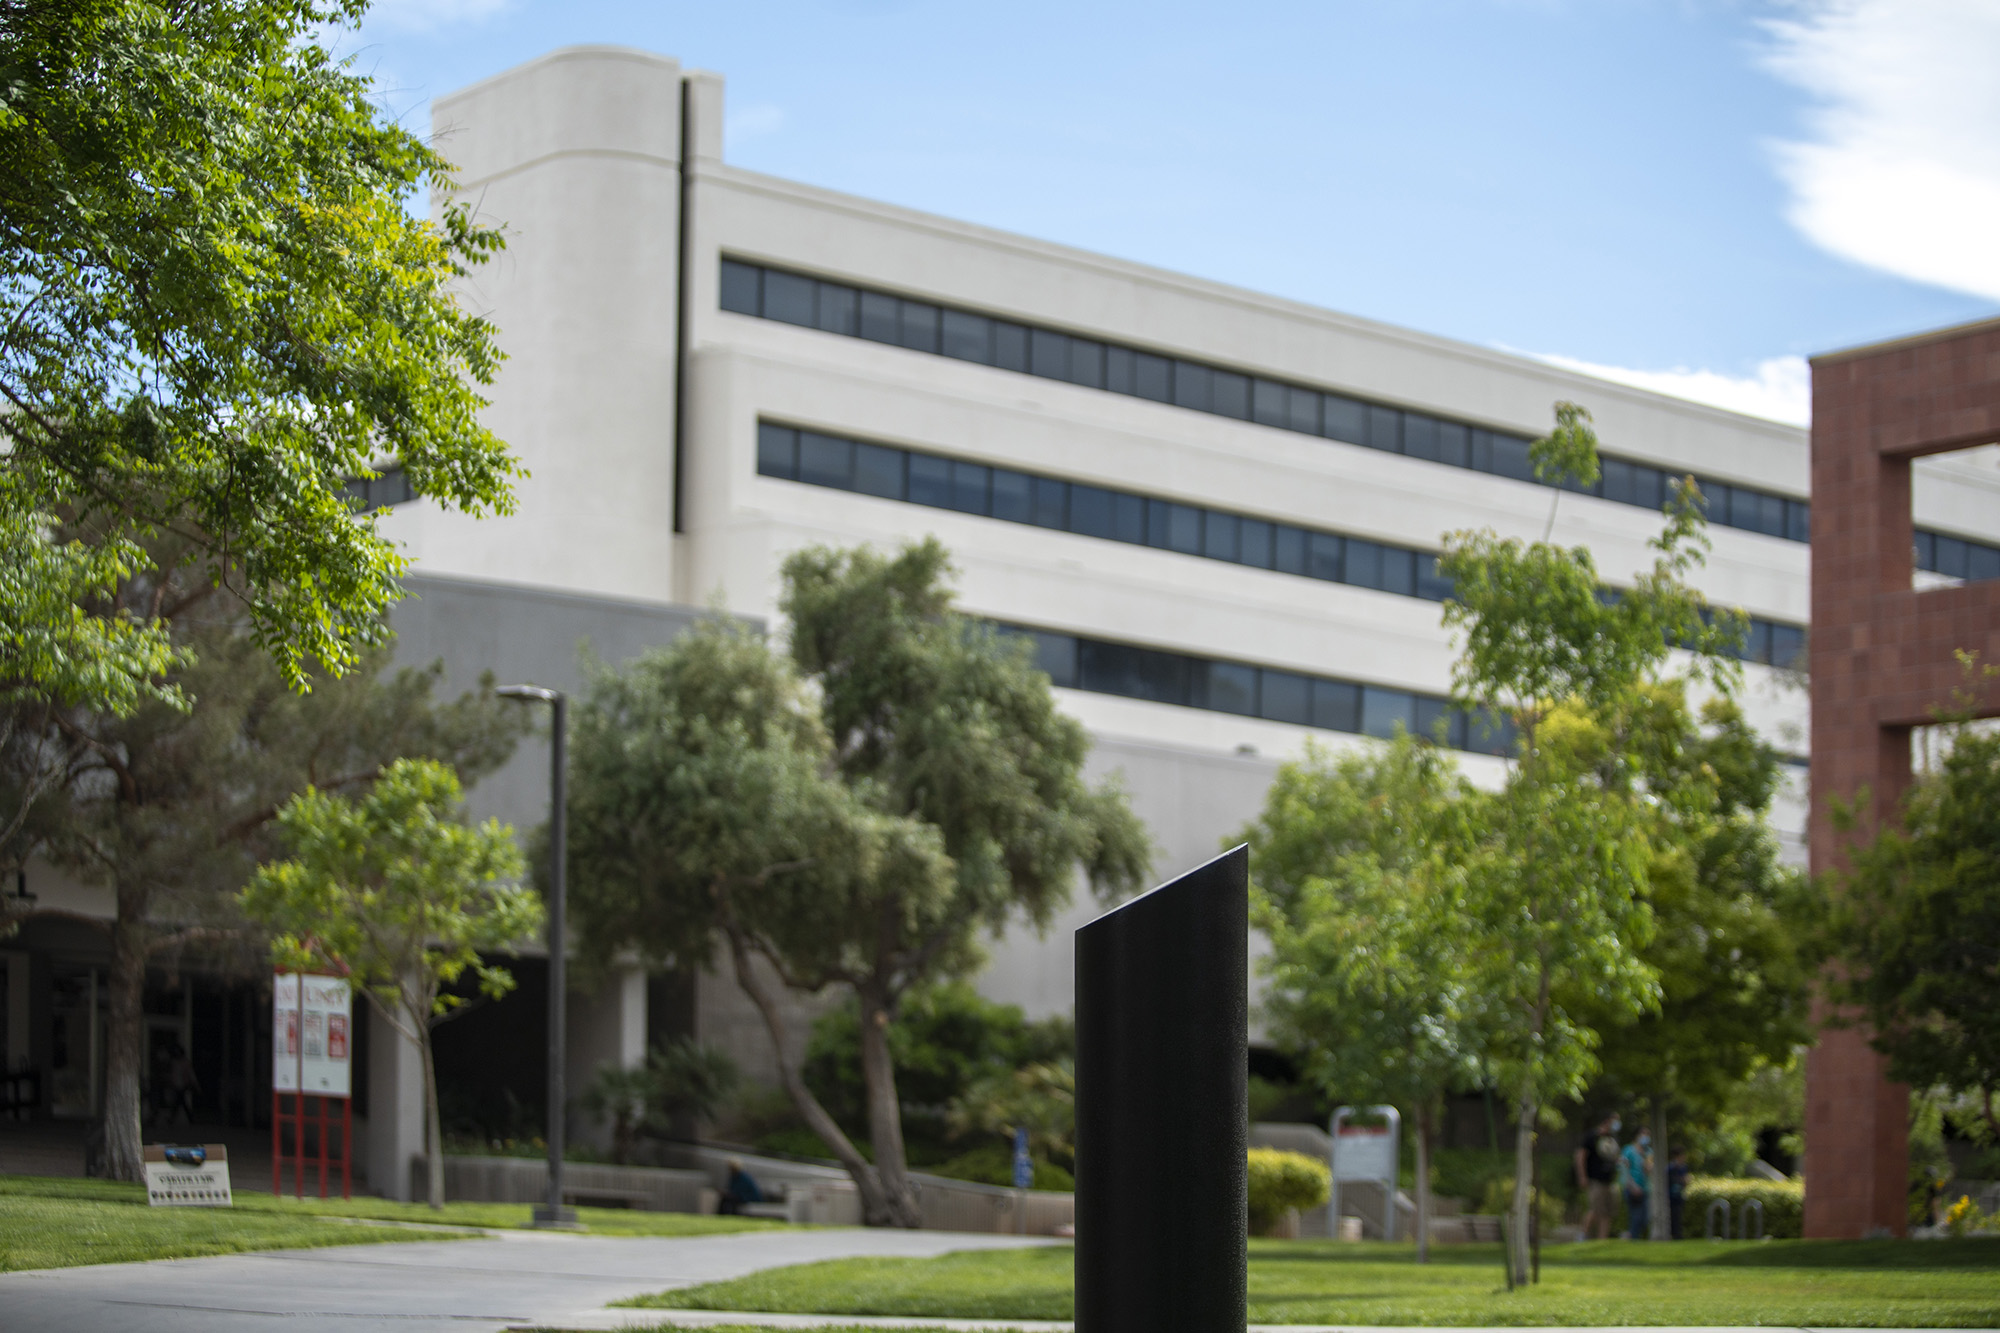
(529, 693)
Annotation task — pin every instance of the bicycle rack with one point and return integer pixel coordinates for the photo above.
(1722, 1206)
(1757, 1204)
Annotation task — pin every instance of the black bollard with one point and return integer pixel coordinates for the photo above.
(1162, 1038)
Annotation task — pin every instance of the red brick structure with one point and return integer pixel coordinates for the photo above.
(1882, 661)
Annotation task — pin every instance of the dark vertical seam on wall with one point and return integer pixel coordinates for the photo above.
(681, 304)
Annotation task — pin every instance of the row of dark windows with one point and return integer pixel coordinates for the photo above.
(390, 486)
(924, 326)
(1220, 686)
(819, 459)
(1961, 559)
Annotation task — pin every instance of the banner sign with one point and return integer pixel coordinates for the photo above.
(190, 1176)
(311, 1044)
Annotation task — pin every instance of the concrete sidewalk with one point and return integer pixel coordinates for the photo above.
(512, 1279)
(698, 1319)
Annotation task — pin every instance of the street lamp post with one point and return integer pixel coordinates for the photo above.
(553, 1213)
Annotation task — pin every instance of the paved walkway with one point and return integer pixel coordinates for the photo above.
(513, 1279)
(510, 1280)
(698, 1319)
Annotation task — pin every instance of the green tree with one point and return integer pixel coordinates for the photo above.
(1356, 883)
(861, 835)
(1555, 896)
(1039, 1098)
(703, 807)
(399, 892)
(169, 806)
(1915, 928)
(681, 1080)
(52, 648)
(944, 1039)
(215, 308)
(1734, 986)
(941, 720)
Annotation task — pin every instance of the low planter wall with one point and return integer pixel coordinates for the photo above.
(813, 1195)
(823, 1194)
(592, 1184)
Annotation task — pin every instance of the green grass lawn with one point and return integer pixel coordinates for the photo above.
(1861, 1283)
(48, 1222)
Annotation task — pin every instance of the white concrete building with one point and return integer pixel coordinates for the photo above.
(1216, 507)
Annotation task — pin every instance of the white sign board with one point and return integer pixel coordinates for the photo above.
(187, 1177)
(312, 1044)
(1365, 1153)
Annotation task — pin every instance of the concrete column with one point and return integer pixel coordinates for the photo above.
(393, 1132)
(605, 1027)
(15, 961)
(577, 155)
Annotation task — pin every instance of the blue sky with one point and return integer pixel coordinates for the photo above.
(1690, 194)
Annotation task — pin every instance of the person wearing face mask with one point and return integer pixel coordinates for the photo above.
(1635, 1171)
(1596, 1170)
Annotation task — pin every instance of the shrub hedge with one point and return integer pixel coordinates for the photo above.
(1284, 1180)
(1784, 1205)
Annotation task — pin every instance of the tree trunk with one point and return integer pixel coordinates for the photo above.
(874, 1203)
(124, 1047)
(1424, 1131)
(1524, 1179)
(1659, 1222)
(885, 1112)
(433, 1130)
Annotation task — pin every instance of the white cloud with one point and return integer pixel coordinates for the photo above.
(751, 122)
(1902, 168)
(1781, 390)
(430, 15)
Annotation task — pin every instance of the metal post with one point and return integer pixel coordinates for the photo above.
(556, 1214)
(299, 1098)
(1162, 1126)
(553, 1213)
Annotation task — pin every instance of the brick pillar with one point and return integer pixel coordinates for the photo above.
(1882, 661)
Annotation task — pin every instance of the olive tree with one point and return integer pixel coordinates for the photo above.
(855, 815)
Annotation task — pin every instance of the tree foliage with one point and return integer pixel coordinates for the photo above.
(1357, 863)
(1038, 1099)
(1555, 900)
(1729, 917)
(944, 1039)
(170, 806)
(680, 1081)
(215, 307)
(1916, 926)
(861, 834)
(55, 646)
(398, 892)
(703, 807)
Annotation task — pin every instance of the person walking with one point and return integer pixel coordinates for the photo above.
(1635, 1172)
(1596, 1170)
